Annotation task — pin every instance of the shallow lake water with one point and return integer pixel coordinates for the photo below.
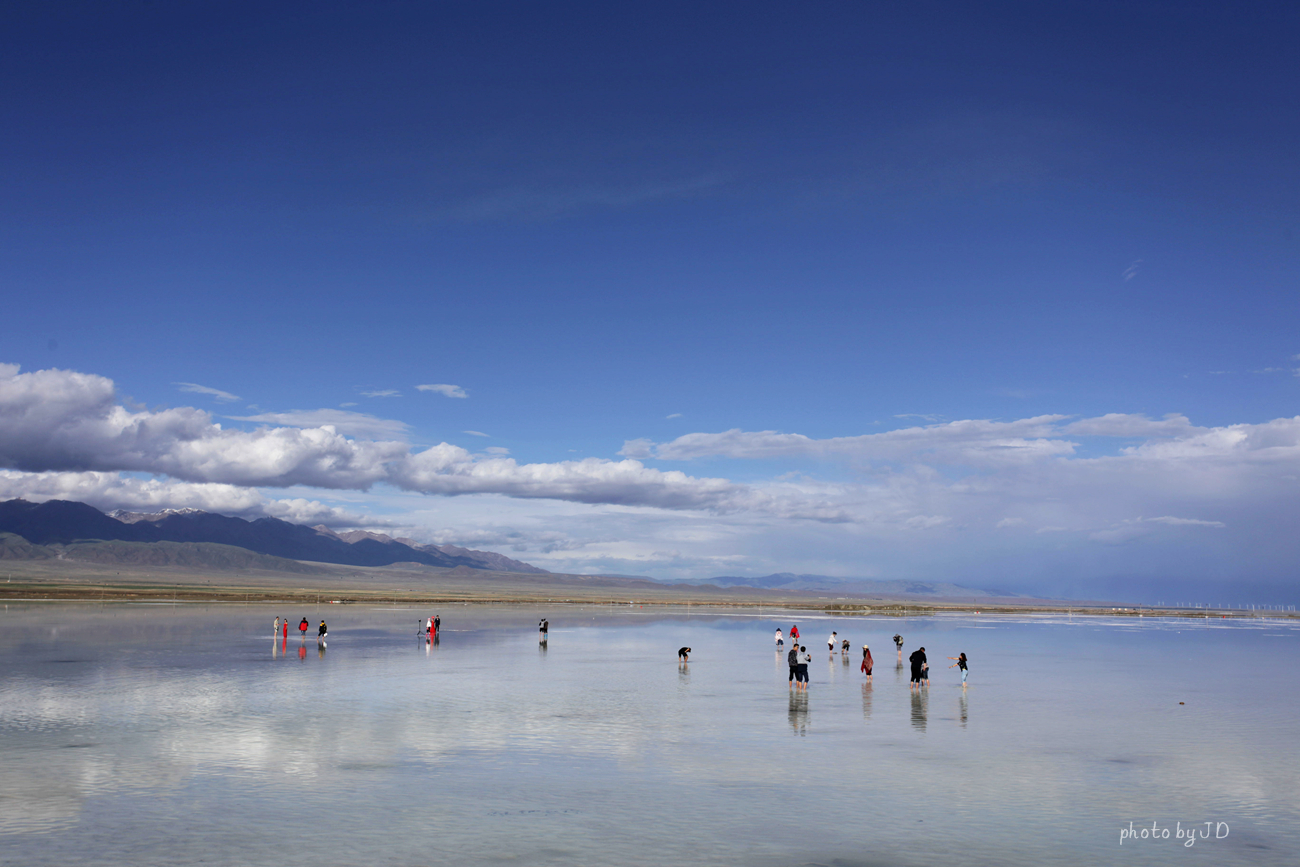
(152, 735)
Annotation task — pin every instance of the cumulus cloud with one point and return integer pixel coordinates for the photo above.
(444, 389)
(65, 421)
(449, 469)
(194, 387)
(358, 424)
(959, 442)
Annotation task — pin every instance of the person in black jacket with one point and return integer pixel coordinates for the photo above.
(919, 665)
(793, 658)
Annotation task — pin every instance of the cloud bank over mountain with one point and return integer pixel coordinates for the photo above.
(1113, 495)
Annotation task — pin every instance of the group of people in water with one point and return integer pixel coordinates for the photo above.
(281, 627)
(799, 658)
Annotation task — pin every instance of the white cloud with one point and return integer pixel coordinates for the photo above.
(675, 415)
(497, 450)
(108, 491)
(1009, 522)
(387, 392)
(348, 404)
(1183, 522)
(194, 387)
(444, 389)
(1132, 270)
(57, 420)
(349, 423)
(476, 433)
(960, 442)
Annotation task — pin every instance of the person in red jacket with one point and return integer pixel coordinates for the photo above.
(302, 627)
(867, 662)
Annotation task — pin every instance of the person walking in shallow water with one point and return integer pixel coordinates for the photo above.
(960, 664)
(898, 642)
(867, 662)
(918, 668)
(323, 631)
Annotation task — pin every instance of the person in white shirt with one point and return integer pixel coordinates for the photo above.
(801, 672)
(830, 642)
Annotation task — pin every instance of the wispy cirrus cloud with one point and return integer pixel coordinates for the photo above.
(387, 392)
(444, 389)
(195, 388)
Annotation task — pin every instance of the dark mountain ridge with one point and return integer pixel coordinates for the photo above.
(65, 522)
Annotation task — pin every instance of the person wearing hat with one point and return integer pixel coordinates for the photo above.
(866, 661)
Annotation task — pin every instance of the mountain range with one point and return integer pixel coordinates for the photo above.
(64, 522)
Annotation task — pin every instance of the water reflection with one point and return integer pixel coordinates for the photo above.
(920, 708)
(799, 713)
(961, 706)
(866, 701)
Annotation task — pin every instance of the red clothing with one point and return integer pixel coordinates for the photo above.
(866, 662)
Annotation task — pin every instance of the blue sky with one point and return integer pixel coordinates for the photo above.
(631, 225)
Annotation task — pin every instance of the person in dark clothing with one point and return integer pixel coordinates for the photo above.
(918, 667)
(543, 629)
(960, 664)
(898, 642)
(801, 672)
(683, 654)
(323, 631)
(793, 658)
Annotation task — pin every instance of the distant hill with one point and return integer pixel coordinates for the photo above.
(856, 586)
(64, 522)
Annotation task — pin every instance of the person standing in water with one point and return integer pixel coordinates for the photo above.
(793, 659)
(437, 624)
(302, 627)
(780, 642)
(794, 634)
(323, 631)
(898, 642)
(961, 664)
(801, 674)
(543, 628)
(918, 668)
(683, 654)
(832, 641)
(285, 626)
(867, 662)
(275, 630)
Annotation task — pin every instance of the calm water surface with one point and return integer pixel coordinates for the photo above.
(153, 735)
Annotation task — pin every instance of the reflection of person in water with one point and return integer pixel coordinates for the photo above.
(683, 654)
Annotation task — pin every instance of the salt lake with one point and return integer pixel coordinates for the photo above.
(158, 735)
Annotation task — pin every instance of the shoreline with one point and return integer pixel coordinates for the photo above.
(150, 592)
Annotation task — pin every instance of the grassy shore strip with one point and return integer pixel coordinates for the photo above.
(71, 592)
